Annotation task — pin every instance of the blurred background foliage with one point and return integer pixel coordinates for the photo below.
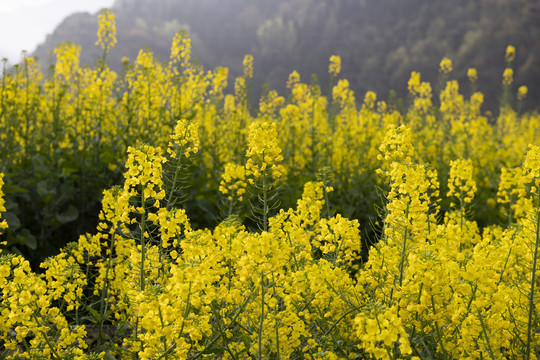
(380, 41)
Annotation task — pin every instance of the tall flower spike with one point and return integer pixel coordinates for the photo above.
(294, 78)
(522, 92)
(472, 74)
(185, 139)
(67, 60)
(461, 183)
(335, 65)
(510, 54)
(3, 223)
(445, 66)
(396, 147)
(508, 76)
(144, 167)
(248, 66)
(263, 150)
(107, 30)
(233, 184)
(181, 49)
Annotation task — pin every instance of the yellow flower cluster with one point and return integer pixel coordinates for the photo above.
(508, 76)
(28, 311)
(3, 223)
(107, 30)
(522, 92)
(264, 154)
(510, 54)
(150, 283)
(461, 183)
(379, 330)
(421, 91)
(472, 74)
(144, 169)
(445, 66)
(185, 139)
(248, 66)
(181, 49)
(233, 182)
(396, 147)
(335, 65)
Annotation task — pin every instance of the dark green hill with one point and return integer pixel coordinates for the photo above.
(380, 41)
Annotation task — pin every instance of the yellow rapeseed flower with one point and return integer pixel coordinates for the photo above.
(185, 139)
(181, 49)
(293, 79)
(445, 66)
(248, 66)
(3, 223)
(461, 183)
(233, 182)
(508, 76)
(67, 60)
(510, 54)
(414, 82)
(335, 65)
(522, 92)
(263, 152)
(107, 30)
(472, 74)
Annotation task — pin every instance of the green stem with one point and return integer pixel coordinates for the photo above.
(461, 220)
(104, 300)
(55, 354)
(404, 248)
(265, 199)
(437, 330)
(163, 338)
(484, 332)
(179, 156)
(327, 203)
(143, 247)
(533, 283)
(276, 312)
(262, 318)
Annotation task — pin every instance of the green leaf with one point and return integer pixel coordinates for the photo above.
(11, 204)
(109, 356)
(13, 189)
(13, 221)
(27, 239)
(43, 190)
(71, 214)
(66, 171)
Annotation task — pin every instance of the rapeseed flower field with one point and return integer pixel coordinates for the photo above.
(449, 194)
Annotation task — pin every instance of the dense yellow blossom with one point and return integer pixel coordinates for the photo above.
(263, 155)
(508, 76)
(3, 223)
(472, 74)
(445, 66)
(152, 281)
(294, 78)
(233, 182)
(335, 65)
(248, 66)
(510, 54)
(461, 183)
(107, 30)
(379, 330)
(522, 92)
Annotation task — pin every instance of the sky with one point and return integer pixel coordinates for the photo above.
(25, 23)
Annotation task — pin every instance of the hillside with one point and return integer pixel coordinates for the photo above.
(380, 42)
